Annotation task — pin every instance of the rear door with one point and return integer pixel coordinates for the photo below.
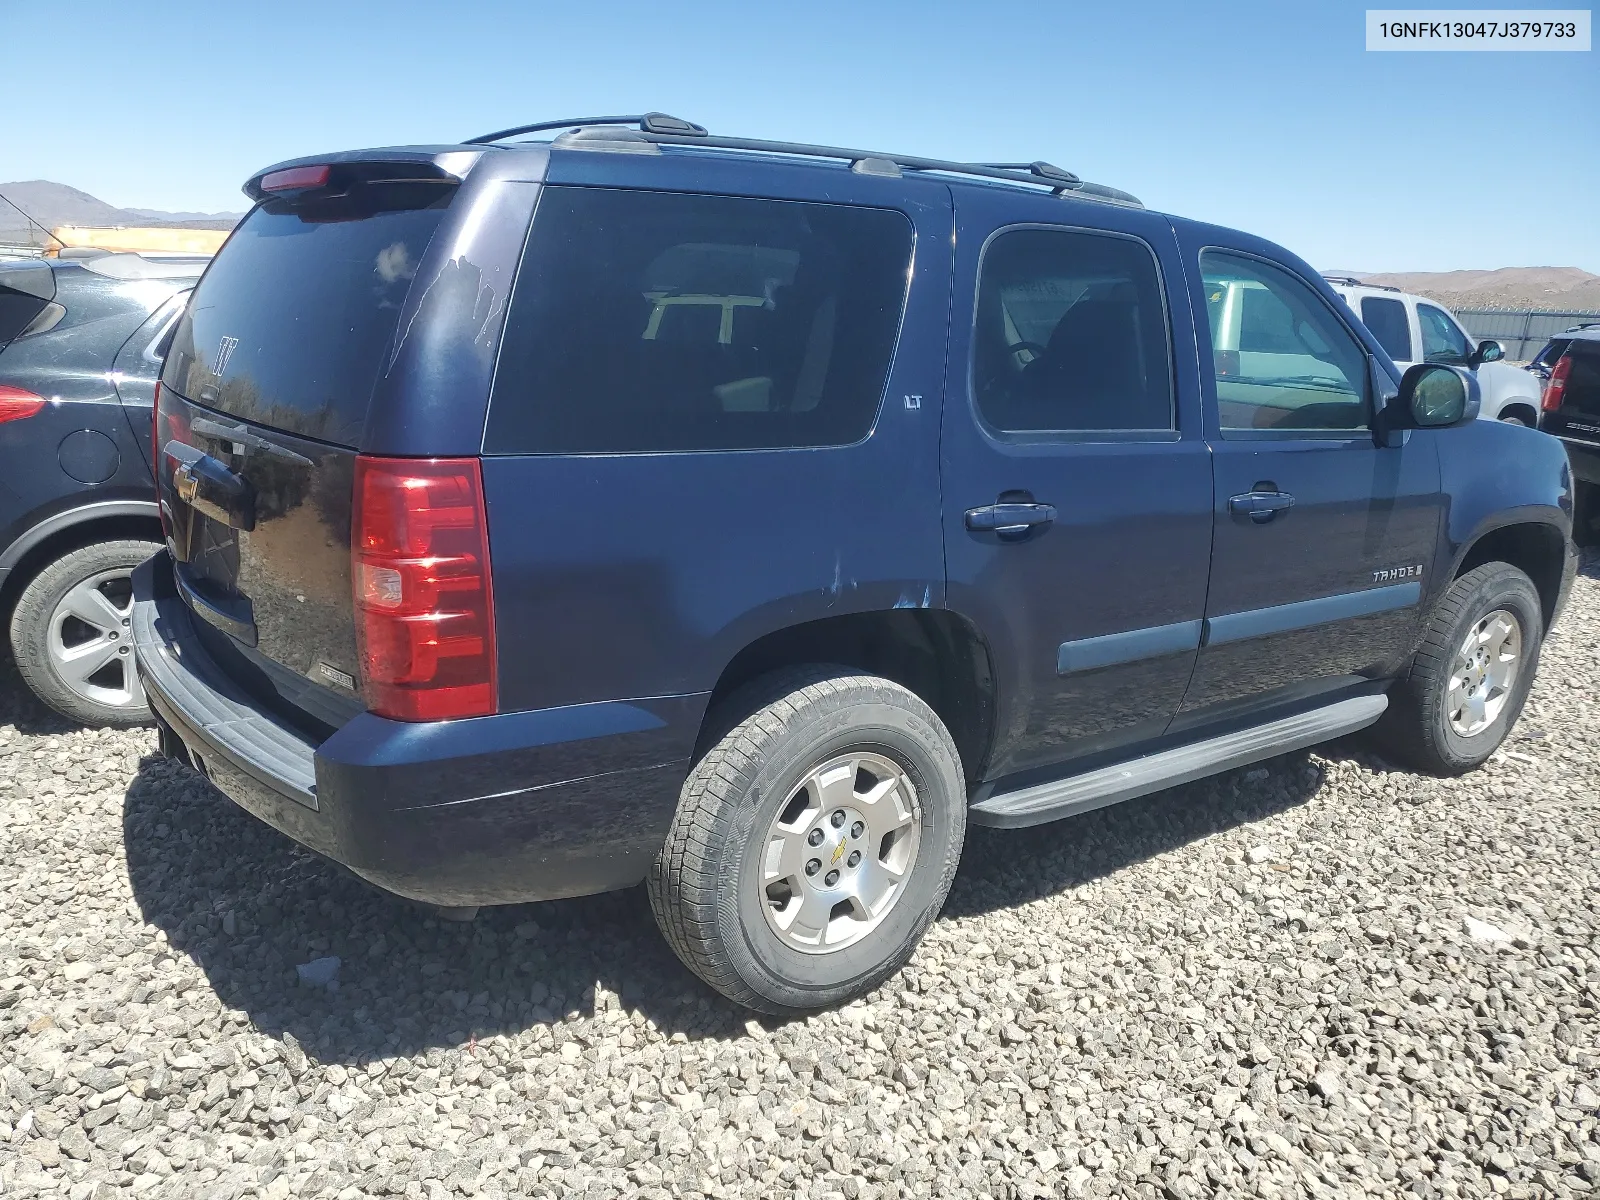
(1077, 486)
(297, 334)
(715, 416)
(1322, 538)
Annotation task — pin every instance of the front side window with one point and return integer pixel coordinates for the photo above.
(1071, 335)
(655, 321)
(1387, 320)
(1442, 339)
(1282, 360)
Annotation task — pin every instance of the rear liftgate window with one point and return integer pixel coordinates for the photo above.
(654, 321)
(291, 325)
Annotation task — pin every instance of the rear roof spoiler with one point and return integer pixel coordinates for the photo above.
(412, 164)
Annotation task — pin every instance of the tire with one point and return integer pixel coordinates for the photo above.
(47, 628)
(801, 746)
(1419, 729)
(1513, 419)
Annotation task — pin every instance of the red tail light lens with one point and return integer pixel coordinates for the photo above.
(1556, 385)
(15, 403)
(293, 178)
(424, 604)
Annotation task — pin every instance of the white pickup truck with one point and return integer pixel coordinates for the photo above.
(1415, 329)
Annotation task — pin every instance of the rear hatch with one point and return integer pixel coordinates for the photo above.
(1574, 390)
(263, 399)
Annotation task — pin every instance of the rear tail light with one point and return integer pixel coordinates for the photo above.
(1556, 385)
(16, 404)
(423, 599)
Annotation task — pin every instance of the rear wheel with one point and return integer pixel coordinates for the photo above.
(814, 842)
(1469, 679)
(69, 634)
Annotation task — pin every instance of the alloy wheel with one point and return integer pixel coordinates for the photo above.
(839, 852)
(1484, 672)
(90, 648)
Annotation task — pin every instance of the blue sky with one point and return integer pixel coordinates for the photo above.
(1268, 117)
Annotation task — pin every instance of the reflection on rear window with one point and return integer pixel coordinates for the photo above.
(1387, 320)
(651, 321)
(290, 326)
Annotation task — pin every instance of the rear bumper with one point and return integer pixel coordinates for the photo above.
(493, 810)
(1585, 458)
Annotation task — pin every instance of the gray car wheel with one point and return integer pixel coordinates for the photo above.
(69, 634)
(814, 841)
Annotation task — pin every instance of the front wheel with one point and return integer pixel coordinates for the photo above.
(1469, 679)
(813, 843)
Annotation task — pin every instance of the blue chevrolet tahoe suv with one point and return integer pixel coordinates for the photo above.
(745, 518)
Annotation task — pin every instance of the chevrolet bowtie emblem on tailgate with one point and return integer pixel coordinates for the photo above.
(184, 483)
(225, 347)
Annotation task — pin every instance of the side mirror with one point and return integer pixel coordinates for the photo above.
(1431, 396)
(1488, 350)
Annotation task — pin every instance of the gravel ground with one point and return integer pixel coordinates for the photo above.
(1316, 977)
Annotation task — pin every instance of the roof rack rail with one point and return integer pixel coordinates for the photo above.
(647, 122)
(667, 130)
(1352, 281)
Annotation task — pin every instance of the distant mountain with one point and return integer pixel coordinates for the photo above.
(1559, 288)
(52, 204)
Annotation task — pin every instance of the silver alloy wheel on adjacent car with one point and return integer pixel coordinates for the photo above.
(1484, 672)
(839, 852)
(90, 650)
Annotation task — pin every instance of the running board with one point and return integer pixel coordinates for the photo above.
(1182, 764)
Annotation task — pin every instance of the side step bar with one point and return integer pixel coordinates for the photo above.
(1123, 781)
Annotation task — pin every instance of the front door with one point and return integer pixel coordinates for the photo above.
(1322, 538)
(1077, 487)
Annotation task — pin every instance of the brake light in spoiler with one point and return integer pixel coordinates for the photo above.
(295, 178)
(339, 171)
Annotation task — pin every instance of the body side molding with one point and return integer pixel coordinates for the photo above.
(1302, 614)
(1113, 649)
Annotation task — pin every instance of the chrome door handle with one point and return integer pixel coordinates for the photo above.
(1010, 520)
(1261, 507)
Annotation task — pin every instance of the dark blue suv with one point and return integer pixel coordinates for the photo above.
(745, 518)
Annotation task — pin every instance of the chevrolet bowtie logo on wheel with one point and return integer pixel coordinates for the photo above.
(838, 853)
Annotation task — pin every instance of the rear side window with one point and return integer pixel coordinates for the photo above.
(290, 326)
(17, 311)
(1387, 321)
(653, 321)
(1071, 335)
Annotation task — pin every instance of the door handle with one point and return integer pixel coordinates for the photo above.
(1010, 520)
(1261, 506)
